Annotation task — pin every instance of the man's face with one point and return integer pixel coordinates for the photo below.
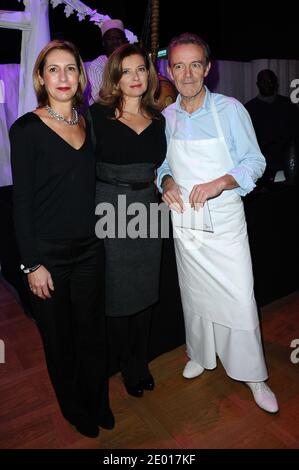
(188, 69)
(112, 39)
(267, 83)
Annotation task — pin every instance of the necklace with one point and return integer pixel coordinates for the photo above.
(132, 114)
(71, 122)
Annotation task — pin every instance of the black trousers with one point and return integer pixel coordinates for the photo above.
(72, 326)
(129, 335)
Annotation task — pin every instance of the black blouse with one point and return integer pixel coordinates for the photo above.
(54, 186)
(117, 143)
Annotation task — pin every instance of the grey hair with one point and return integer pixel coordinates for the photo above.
(189, 38)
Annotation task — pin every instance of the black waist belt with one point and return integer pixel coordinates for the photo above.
(125, 184)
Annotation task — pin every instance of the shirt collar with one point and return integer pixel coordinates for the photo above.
(206, 103)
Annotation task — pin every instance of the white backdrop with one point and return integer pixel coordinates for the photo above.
(9, 96)
(237, 79)
(16, 90)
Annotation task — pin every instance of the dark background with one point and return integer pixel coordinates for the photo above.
(235, 31)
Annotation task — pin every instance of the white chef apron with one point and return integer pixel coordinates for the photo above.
(214, 269)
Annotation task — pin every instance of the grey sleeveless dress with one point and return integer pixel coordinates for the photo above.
(132, 264)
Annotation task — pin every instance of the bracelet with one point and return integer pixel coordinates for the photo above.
(29, 270)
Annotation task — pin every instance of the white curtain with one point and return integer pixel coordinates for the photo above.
(238, 79)
(16, 90)
(34, 24)
(9, 94)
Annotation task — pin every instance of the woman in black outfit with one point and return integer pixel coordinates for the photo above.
(54, 178)
(130, 136)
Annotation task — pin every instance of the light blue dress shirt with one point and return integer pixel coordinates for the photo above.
(249, 163)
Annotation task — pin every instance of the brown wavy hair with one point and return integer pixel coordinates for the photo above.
(111, 95)
(38, 70)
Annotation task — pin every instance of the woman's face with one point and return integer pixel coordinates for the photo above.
(60, 76)
(134, 80)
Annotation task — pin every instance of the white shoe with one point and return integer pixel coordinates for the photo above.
(263, 396)
(192, 369)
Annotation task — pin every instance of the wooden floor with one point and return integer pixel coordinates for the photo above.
(211, 411)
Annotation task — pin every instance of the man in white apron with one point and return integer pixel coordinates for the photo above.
(213, 158)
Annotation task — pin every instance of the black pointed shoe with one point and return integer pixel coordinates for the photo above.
(107, 421)
(134, 390)
(147, 383)
(87, 428)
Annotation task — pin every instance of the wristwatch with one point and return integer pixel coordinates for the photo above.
(29, 270)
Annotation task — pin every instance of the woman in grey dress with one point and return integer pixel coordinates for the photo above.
(130, 145)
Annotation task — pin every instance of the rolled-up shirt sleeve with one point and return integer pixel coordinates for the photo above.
(164, 169)
(251, 163)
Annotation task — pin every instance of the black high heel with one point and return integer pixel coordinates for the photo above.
(134, 390)
(108, 420)
(86, 427)
(147, 383)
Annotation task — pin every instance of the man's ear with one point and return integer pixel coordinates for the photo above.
(207, 69)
